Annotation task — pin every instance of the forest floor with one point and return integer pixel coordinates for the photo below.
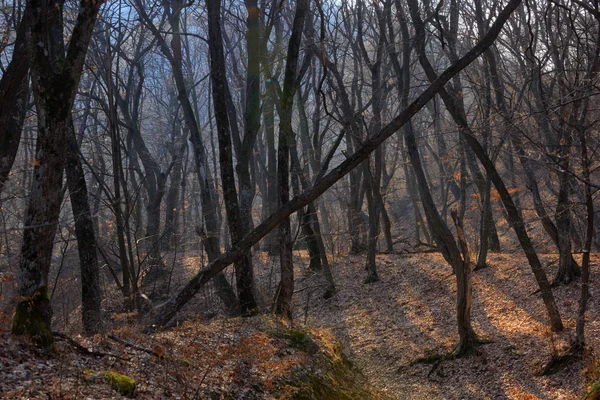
(382, 328)
(410, 314)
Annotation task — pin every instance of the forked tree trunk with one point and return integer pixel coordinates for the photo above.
(282, 303)
(464, 294)
(54, 91)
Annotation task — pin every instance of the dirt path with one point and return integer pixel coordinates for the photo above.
(410, 312)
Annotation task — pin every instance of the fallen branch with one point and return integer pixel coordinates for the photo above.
(82, 349)
(136, 347)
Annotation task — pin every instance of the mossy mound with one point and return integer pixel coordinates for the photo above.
(299, 339)
(329, 375)
(122, 384)
(32, 317)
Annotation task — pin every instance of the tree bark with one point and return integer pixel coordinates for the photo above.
(464, 294)
(237, 227)
(282, 303)
(56, 75)
(91, 299)
(14, 86)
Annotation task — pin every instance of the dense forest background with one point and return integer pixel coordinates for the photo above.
(164, 160)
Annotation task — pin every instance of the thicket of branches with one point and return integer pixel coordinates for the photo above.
(221, 129)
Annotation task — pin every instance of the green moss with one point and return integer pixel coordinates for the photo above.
(336, 378)
(339, 381)
(594, 392)
(299, 339)
(123, 384)
(33, 317)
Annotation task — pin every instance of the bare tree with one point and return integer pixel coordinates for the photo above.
(56, 70)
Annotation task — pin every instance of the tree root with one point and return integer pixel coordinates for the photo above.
(435, 359)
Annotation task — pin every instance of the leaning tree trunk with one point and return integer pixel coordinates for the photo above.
(445, 240)
(460, 263)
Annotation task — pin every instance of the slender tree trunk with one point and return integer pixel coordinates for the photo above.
(237, 228)
(172, 202)
(579, 342)
(373, 207)
(484, 227)
(86, 239)
(14, 86)
(282, 304)
(271, 244)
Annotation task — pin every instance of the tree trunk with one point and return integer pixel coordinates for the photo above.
(14, 86)
(172, 202)
(282, 304)
(54, 92)
(484, 227)
(579, 342)
(243, 267)
(208, 193)
(91, 311)
(568, 270)
(464, 294)
(373, 207)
